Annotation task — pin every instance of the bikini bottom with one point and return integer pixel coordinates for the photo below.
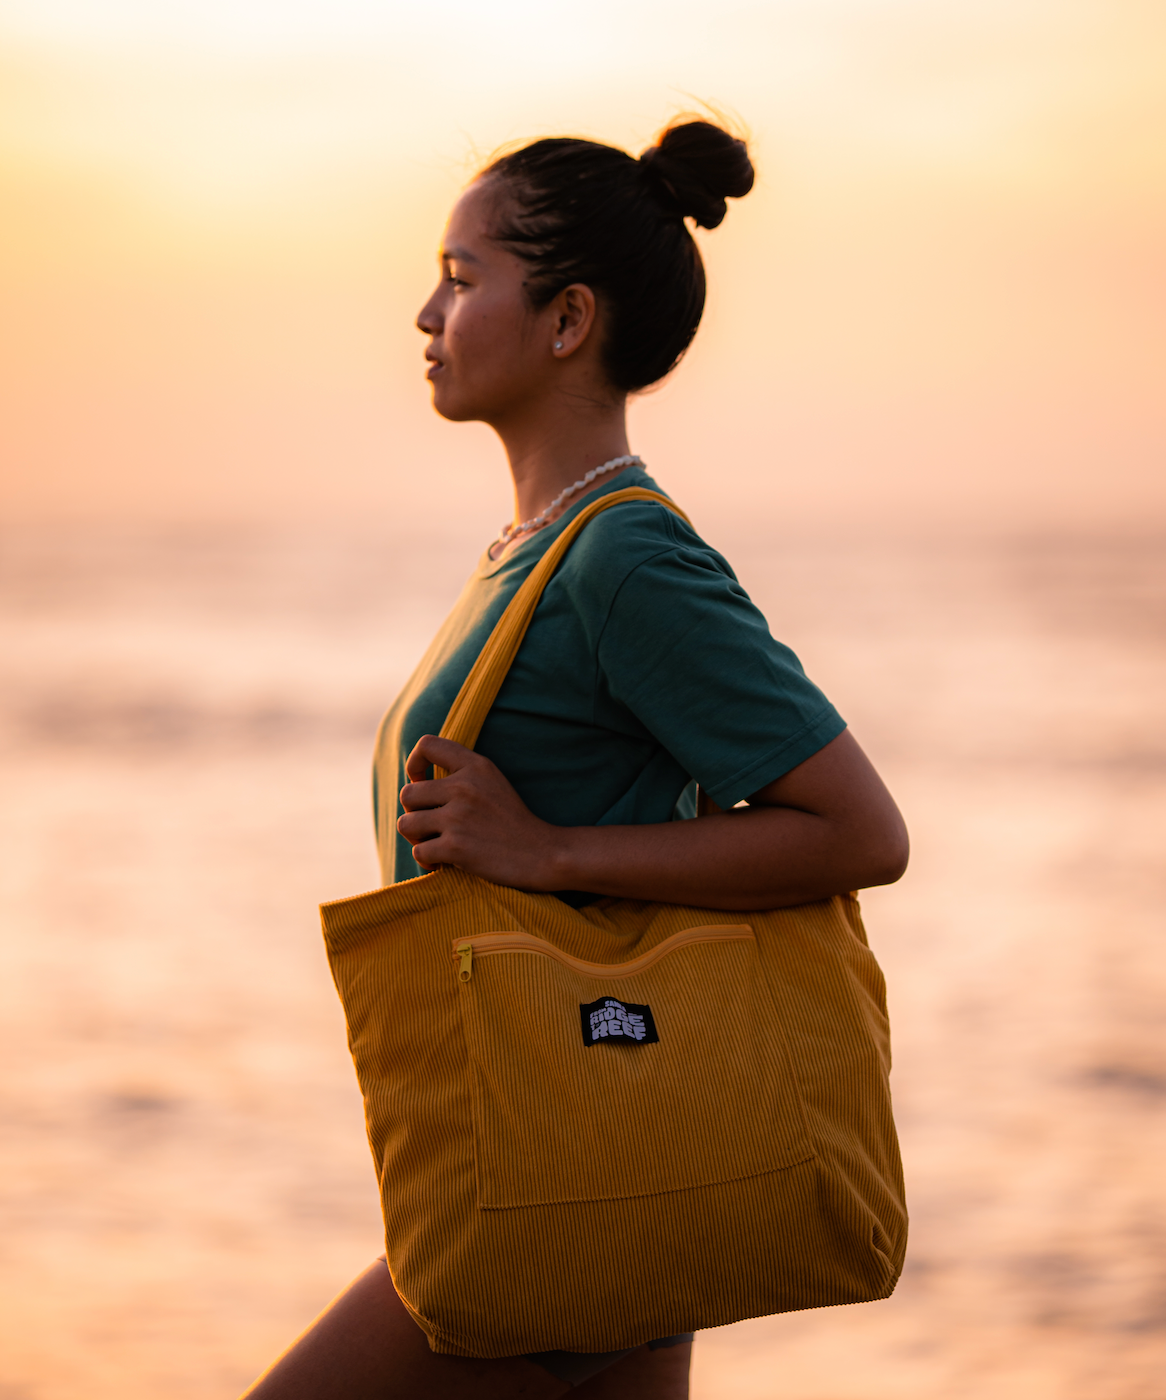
(575, 1367)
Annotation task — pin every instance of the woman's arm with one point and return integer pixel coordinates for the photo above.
(826, 827)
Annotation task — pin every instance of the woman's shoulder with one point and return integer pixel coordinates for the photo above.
(642, 559)
(622, 539)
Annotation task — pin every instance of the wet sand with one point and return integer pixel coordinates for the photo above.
(185, 725)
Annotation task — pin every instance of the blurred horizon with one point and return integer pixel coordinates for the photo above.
(942, 307)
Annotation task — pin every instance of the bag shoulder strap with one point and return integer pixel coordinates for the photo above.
(472, 704)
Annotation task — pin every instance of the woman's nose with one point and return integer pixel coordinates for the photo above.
(429, 320)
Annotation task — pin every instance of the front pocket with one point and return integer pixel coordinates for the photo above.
(579, 1097)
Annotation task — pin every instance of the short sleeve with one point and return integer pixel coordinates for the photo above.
(687, 652)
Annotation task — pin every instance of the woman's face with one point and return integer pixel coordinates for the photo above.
(489, 352)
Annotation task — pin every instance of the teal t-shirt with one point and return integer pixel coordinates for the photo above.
(646, 669)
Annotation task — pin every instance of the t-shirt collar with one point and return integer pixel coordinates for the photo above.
(531, 550)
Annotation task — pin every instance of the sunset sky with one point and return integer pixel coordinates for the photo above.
(944, 302)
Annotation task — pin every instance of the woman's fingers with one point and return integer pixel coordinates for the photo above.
(420, 825)
(432, 845)
(472, 819)
(459, 761)
(431, 749)
(423, 859)
(423, 791)
(416, 797)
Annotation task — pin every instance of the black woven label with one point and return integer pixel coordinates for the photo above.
(615, 1022)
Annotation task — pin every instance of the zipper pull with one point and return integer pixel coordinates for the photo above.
(466, 953)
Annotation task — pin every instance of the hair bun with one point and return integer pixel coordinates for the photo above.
(694, 167)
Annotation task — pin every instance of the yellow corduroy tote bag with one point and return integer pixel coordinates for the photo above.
(594, 1127)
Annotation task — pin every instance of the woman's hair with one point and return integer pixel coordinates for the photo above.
(585, 212)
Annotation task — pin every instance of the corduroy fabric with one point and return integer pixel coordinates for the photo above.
(622, 1121)
(540, 1193)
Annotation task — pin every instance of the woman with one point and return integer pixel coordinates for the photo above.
(569, 279)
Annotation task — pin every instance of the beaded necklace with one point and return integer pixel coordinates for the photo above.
(536, 522)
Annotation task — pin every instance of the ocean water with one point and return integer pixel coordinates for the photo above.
(185, 726)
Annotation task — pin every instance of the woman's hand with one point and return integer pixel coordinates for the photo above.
(828, 826)
(473, 819)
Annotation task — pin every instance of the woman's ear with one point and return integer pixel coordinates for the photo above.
(573, 315)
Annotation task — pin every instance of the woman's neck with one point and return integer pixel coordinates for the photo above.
(547, 457)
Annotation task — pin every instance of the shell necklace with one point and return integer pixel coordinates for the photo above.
(536, 522)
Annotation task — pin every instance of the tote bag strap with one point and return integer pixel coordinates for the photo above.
(472, 704)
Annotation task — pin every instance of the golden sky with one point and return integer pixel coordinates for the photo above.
(945, 301)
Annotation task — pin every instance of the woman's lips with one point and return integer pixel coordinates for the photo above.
(433, 369)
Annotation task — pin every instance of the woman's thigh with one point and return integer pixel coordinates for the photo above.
(644, 1374)
(365, 1346)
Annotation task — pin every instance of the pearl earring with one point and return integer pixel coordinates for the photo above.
(558, 344)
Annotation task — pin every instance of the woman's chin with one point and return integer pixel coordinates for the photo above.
(449, 407)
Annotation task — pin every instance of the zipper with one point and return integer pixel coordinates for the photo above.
(465, 951)
(487, 944)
